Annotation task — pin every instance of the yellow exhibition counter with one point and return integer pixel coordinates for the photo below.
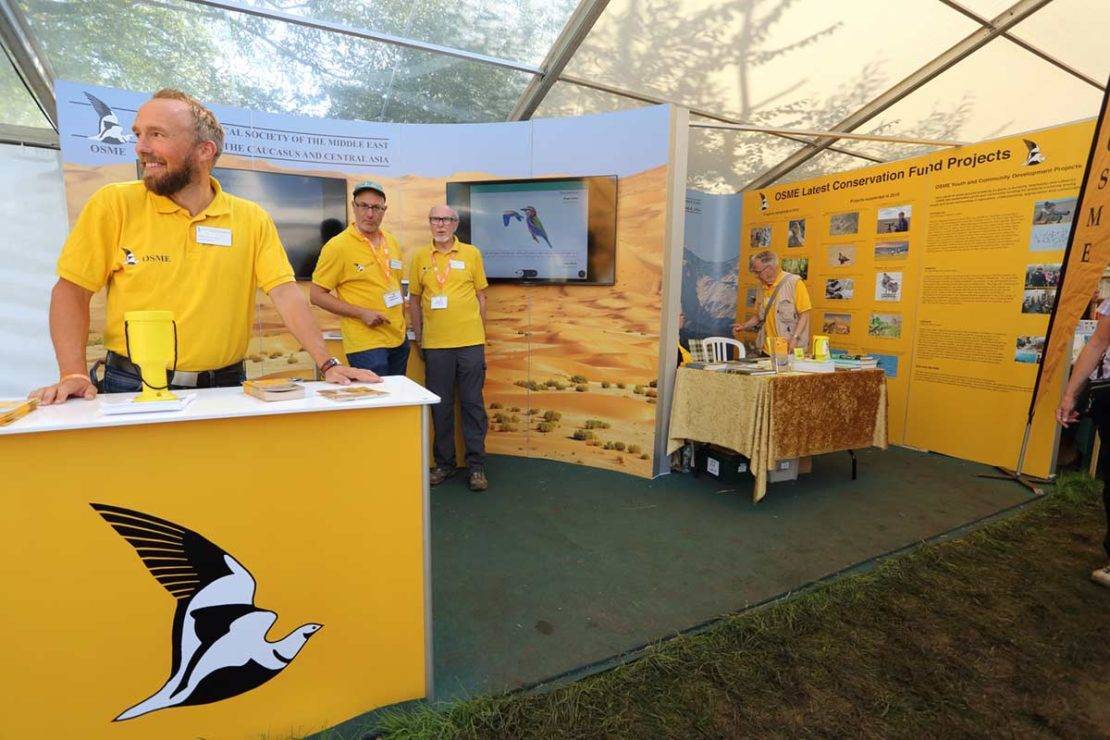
(234, 569)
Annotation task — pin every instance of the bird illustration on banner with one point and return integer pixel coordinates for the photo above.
(109, 129)
(531, 219)
(218, 641)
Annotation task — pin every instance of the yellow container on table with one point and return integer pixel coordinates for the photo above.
(151, 338)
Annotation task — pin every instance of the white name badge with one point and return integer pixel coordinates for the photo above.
(213, 236)
(439, 301)
(395, 265)
(458, 265)
(393, 299)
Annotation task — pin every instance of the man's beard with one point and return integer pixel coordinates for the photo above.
(172, 181)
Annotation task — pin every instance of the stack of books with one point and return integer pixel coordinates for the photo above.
(274, 389)
(810, 365)
(855, 362)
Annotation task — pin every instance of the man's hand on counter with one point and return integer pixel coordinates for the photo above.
(343, 375)
(71, 386)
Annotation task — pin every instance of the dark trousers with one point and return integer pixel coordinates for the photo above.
(1100, 413)
(382, 360)
(464, 368)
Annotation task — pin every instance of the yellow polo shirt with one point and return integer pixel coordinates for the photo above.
(149, 253)
(802, 303)
(361, 276)
(460, 324)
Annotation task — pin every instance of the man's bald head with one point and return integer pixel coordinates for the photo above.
(443, 211)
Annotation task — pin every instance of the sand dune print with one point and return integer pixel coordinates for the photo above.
(584, 356)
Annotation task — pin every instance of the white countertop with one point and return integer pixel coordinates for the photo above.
(216, 403)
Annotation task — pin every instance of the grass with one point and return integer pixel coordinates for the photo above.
(997, 633)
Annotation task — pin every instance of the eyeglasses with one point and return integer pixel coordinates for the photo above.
(363, 208)
(443, 220)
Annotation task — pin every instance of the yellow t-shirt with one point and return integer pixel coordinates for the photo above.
(460, 324)
(802, 304)
(362, 276)
(153, 255)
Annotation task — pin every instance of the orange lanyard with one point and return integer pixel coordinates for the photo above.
(381, 256)
(441, 278)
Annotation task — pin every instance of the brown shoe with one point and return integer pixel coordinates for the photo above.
(478, 481)
(439, 474)
(1100, 576)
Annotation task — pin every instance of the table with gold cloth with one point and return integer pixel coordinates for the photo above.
(778, 417)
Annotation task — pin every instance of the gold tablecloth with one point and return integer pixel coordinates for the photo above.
(776, 417)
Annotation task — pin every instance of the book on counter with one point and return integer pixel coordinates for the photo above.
(12, 410)
(274, 389)
(809, 365)
(855, 362)
(752, 366)
(351, 393)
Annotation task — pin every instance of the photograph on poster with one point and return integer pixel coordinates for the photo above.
(892, 250)
(844, 223)
(841, 256)
(1042, 276)
(1038, 301)
(837, 323)
(841, 289)
(761, 236)
(894, 219)
(1051, 224)
(796, 233)
(887, 325)
(887, 363)
(888, 286)
(797, 265)
(749, 298)
(1029, 349)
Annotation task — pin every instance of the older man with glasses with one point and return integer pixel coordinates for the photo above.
(785, 308)
(363, 266)
(448, 283)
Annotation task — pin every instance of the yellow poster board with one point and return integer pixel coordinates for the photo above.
(943, 267)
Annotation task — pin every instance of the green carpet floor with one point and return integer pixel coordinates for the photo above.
(558, 568)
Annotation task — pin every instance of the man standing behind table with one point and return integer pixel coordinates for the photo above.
(175, 241)
(785, 308)
(448, 318)
(363, 266)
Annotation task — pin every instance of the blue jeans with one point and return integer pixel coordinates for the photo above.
(382, 360)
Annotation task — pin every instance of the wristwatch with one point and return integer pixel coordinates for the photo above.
(328, 365)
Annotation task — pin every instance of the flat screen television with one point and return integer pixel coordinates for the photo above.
(541, 231)
(307, 210)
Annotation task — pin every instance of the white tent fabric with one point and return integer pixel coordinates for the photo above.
(795, 64)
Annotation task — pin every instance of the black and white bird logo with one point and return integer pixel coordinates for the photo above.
(763, 205)
(359, 267)
(129, 257)
(110, 132)
(219, 640)
(1035, 156)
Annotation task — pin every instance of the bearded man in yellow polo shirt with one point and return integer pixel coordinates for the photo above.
(448, 281)
(175, 241)
(363, 266)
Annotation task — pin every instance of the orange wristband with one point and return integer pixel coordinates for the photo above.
(74, 375)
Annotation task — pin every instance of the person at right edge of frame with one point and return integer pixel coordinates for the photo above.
(1067, 413)
(448, 317)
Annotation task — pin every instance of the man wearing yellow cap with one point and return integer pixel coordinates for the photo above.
(363, 266)
(175, 241)
(448, 284)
